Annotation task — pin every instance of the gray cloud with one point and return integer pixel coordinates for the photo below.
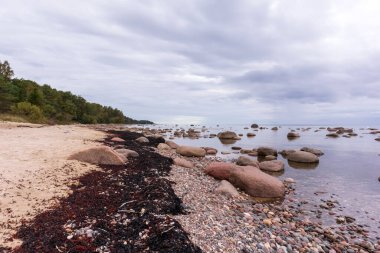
(210, 61)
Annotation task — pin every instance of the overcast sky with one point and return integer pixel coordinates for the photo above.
(204, 61)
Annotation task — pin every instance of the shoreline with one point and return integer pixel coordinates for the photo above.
(233, 224)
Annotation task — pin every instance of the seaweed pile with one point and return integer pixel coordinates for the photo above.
(120, 209)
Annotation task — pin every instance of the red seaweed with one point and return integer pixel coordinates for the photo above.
(122, 209)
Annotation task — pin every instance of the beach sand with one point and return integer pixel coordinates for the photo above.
(34, 170)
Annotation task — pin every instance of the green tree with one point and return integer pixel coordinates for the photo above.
(26, 109)
(36, 97)
(6, 70)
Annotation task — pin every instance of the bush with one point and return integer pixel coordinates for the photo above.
(26, 109)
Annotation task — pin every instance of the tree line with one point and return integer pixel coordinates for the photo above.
(44, 104)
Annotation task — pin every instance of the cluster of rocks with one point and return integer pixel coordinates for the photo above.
(335, 132)
(235, 222)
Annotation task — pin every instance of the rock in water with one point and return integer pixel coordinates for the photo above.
(257, 183)
(293, 135)
(302, 157)
(254, 126)
(272, 166)
(314, 151)
(245, 161)
(191, 151)
(333, 135)
(264, 151)
(183, 163)
(142, 139)
(99, 155)
(227, 188)
(228, 135)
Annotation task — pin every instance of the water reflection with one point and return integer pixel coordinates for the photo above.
(307, 166)
(227, 141)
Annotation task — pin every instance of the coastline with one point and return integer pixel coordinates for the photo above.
(214, 222)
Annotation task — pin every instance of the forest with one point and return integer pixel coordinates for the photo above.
(27, 100)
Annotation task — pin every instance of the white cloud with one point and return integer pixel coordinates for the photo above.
(204, 61)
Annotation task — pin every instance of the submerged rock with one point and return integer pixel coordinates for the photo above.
(292, 135)
(272, 166)
(333, 135)
(302, 157)
(228, 135)
(264, 151)
(314, 151)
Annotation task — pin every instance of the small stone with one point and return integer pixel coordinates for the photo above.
(267, 222)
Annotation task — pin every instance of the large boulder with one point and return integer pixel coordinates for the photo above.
(172, 144)
(227, 188)
(183, 163)
(127, 152)
(246, 161)
(228, 135)
(99, 155)
(163, 147)
(220, 170)
(302, 157)
(257, 183)
(272, 166)
(264, 151)
(314, 151)
(142, 139)
(191, 151)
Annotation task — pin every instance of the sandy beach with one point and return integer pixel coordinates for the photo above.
(34, 170)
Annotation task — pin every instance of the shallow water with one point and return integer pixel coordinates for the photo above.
(348, 171)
